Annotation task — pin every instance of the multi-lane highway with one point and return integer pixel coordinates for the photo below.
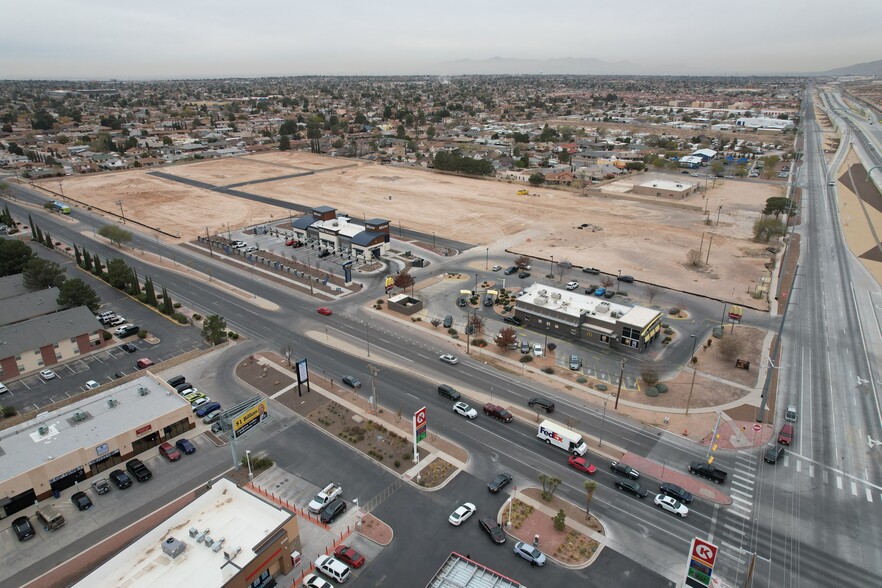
(813, 519)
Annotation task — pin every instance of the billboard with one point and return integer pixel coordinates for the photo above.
(250, 418)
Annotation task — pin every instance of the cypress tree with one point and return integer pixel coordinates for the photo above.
(167, 307)
(149, 291)
(39, 236)
(87, 261)
(48, 241)
(135, 286)
(77, 256)
(96, 269)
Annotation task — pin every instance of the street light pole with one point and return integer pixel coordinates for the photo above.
(486, 258)
(551, 269)
(619, 281)
(691, 386)
(723, 318)
(603, 422)
(248, 459)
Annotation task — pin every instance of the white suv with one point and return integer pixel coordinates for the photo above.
(572, 285)
(332, 568)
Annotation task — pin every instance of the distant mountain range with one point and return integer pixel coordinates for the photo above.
(592, 66)
(859, 69)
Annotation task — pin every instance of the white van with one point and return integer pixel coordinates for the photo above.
(790, 414)
(332, 568)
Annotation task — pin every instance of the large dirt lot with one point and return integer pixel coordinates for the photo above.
(643, 236)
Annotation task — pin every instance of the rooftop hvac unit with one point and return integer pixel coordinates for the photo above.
(173, 547)
(111, 402)
(540, 300)
(193, 531)
(543, 292)
(208, 541)
(43, 430)
(142, 391)
(218, 544)
(555, 295)
(79, 416)
(232, 553)
(202, 536)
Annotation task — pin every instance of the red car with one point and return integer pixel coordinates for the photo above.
(290, 242)
(581, 464)
(325, 311)
(168, 451)
(349, 556)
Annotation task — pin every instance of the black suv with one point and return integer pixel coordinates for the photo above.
(509, 271)
(332, 511)
(120, 478)
(513, 320)
(137, 468)
(624, 470)
(627, 279)
(542, 403)
(448, 392)
(591, 270)
(499, 482)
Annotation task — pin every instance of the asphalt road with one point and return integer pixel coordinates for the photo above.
(813, 519)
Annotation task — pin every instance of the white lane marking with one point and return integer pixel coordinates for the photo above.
(839, 482)
(869, 495)
(798, 466)
(854, 488)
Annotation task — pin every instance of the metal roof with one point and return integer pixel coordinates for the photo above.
(304, 222)
(460, 572)
(364, 238)
(12, 286)
(46, 330)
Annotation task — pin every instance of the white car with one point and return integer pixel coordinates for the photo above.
(313, 581)
(47, 374)
(670, 504)
(465, 410)
(462, 514)
(92, 384)
(3, 388)
(530, 553)
(447, 358)
(537, 350)
(117, 320)
(199, 402)
(572, 285)
(496, 268)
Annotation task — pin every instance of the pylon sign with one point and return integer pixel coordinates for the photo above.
(702, 556)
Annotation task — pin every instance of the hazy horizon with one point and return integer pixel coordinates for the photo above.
(100, 39)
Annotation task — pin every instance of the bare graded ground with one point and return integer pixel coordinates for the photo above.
(637, 236)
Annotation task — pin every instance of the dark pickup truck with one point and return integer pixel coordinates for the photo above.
(137, 468)
(709, 471)
(497, 412)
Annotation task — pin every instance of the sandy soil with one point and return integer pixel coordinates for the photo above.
(856, 221)
(483, 212)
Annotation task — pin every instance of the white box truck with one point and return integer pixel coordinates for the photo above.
(559, 436)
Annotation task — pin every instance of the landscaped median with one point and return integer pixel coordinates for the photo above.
(573, 539)
(346, 414)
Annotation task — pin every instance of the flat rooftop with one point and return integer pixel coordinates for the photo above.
(22, 447)
(240, 518)
(460, 572)
(668, 185)
(571, 302)
(29, 305)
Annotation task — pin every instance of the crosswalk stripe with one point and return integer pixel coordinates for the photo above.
(741, 495)
(839, 482)
(798, 465)
(743, 485)
(854, 488)
(732, 529)
(869, 495)
(825, 476)
(743, 515)
(811, 471)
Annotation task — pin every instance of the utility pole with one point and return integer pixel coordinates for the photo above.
(692, 386)
(208, 238)
(619, 390)
(121, 212)
(709, 243)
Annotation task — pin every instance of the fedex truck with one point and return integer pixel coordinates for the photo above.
(559, 436)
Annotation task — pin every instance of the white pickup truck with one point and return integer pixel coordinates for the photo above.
(323, 498)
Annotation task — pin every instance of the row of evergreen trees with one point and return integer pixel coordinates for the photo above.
(38, 235)
(124, 278)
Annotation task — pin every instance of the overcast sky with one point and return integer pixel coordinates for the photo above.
(158, 39)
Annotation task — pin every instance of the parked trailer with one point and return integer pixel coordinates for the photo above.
(559, 436)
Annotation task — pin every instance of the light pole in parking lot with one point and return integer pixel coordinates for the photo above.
(619, 281)
(603, 422)
(248, 459)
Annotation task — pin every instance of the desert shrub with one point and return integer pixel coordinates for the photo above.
(9, 411)
(560, 520)
(551, 346)
(548, 370)
(662, 388)
(142, 334)
(652, 392)
(729, 347)
(106, 336)
(581, 379)
(601, 387)
(526, 358)
(650, 377)
(673, 310)
(197, 317)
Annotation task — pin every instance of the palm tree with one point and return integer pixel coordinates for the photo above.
(590, 487)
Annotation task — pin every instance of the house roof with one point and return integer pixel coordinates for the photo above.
(30, 305)
(12, 286)
(46, 330)
(304, 222)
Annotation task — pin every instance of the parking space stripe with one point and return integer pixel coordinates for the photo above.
(854, 488)
(839, 482)
(811, 471)
(869, 495)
